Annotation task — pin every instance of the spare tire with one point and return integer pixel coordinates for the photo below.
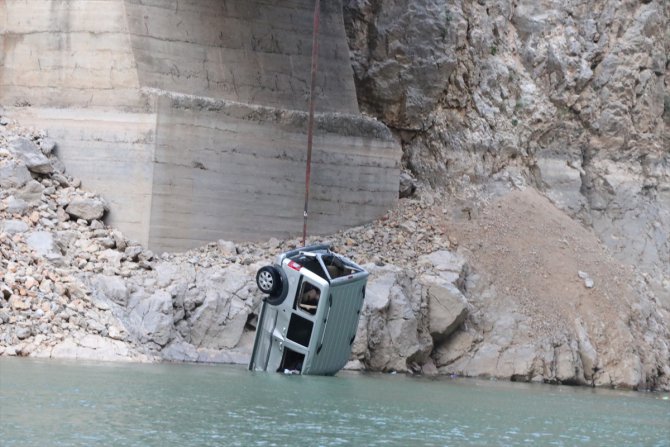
(268, 279)
(279, 295)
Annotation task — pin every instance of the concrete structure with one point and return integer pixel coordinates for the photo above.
(189, 115)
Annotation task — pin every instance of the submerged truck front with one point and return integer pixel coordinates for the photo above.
(308, 322)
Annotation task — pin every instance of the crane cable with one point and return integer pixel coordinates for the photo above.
(310, 121)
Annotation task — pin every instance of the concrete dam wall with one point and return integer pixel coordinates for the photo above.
(189, 116)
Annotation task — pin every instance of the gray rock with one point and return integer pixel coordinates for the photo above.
(23, 332)
(86, 208)
(155, 315)
(61, 179)
(447, 309)
(31, 191)
(5, 290)
(97, 225)
(95, 347)
(47, 145)
(13, 226)
(115, 333)
(4, 121)
(28, 152)
(112, 257)
(133, 252)
(16, 206)
(447, 264)
(95, 325)
(407, 185)
(66, 239)
(378, 291)
(180, 351)
(568, 366)
(165, 273)
(13, 174)
(42, 242)
(227, 248)
(588, 282)
(219, 322)
(146, 255)
(112, 288)
(390, 333)
(108, 242)
(587, 353)
(119, 240)
(403, 56)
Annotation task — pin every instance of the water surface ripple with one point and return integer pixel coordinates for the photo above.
(54, 403)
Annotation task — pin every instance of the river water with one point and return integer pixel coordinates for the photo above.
(54, 403)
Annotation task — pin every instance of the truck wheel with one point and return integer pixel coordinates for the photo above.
(281, 290)
(268, 279)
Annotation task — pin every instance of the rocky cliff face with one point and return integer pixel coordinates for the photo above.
(571, 98)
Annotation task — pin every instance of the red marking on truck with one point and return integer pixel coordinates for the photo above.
(295, 266)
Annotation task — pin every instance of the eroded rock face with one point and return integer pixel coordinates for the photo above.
(391, 334)
(549, 323)
(569, 97)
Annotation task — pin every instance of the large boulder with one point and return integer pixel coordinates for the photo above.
(86, 208)
(154, 318)
(391, 333)
(28, 152)
(13, 174)
(447, 307)
(112, 288)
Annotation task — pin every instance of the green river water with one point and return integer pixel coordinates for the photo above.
(55, 403)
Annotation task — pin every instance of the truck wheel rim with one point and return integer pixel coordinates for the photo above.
(265, 280)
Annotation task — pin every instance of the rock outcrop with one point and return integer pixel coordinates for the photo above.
(571, 98)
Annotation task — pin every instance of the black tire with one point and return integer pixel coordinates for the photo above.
(268, 279)
(279, 295)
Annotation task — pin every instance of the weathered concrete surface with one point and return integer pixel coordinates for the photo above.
(254, 52)
(97, 74)
(66, 54)
(260, 153)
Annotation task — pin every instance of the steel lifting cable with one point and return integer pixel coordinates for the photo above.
(310, 121)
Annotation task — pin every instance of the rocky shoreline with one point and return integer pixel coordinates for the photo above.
(440, 301)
